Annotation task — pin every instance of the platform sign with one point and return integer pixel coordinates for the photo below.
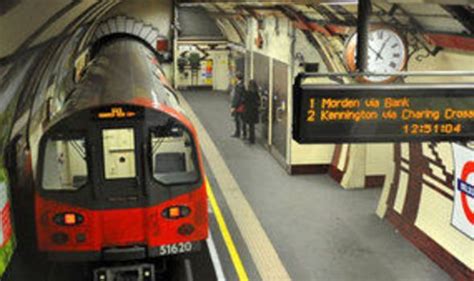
(383, 113)
(463, 210)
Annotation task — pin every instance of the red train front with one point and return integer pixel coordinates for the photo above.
(119, 173)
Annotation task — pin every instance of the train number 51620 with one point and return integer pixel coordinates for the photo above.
(174, 249)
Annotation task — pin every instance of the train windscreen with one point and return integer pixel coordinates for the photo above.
(173, 155)
(65, 164)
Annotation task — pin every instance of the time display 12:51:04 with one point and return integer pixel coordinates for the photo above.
(427, 129)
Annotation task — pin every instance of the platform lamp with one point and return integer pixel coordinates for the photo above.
(162, 45)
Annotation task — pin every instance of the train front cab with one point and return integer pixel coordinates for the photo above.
(126, 183)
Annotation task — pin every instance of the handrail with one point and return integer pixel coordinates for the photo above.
(400, 74)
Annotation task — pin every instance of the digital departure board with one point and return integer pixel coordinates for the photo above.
(116, 113)
(113, 112)
(383, 113)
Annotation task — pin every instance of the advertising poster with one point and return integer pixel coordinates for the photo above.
(6, 239)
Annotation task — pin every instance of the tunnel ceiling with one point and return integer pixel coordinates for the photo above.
(437, 22)
(194, 22)
(22, 27)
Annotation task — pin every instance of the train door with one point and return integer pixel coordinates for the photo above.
(280, 108)
(261, 72)
(245, 68)
(121, 185)
(121, 158)
(221, 71)
(240, 64)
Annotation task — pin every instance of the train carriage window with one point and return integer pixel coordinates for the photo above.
(65, 164)
(173, 156)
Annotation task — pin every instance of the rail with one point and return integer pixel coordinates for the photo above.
(399, 74)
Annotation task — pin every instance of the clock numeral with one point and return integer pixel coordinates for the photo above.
(395, 45)
(396, 55)
(393, 65)
(380, 34)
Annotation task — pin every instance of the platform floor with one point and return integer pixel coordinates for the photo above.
(318, 230)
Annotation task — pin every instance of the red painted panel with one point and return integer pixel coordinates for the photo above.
(123, 227)
(312, 27)
(338, 29)
(110, 228)
(451, 41)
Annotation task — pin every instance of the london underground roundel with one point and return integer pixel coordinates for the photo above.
(467, 190)
(463, 208)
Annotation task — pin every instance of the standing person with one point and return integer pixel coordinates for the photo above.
(237, 106)
(251, 105)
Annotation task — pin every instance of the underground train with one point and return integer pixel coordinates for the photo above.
(116, 166)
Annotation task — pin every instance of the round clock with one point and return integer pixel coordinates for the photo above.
(387, 53)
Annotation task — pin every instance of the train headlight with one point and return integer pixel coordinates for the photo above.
(176, 212)
(68, 219)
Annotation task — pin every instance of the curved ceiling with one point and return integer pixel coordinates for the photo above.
(441, 23)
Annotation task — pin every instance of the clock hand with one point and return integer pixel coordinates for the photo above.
(383, 47)
(377, 54)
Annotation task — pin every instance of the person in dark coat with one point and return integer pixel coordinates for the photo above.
(251, 106)
(237, 107)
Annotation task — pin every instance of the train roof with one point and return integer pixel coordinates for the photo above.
(123, 71)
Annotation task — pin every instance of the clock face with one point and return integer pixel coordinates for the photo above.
(387, 53)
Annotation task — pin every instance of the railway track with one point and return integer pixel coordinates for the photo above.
(192, 267)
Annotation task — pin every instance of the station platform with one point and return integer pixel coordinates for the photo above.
(280, 227)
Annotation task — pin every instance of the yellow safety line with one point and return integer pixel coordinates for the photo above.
(234, 254)
(266, 259)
